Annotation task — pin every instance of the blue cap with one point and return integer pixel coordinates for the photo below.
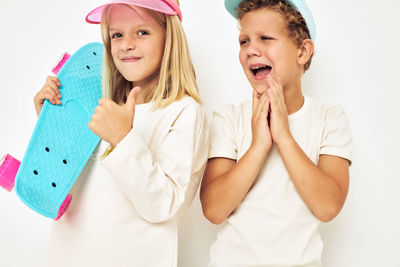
(300, 5)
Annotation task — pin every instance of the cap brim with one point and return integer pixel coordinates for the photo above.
(231, 5)
(95, 15)
(300, 5)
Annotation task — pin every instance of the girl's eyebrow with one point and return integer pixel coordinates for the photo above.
(136, 26)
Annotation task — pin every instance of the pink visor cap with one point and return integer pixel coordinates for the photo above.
(169, 7)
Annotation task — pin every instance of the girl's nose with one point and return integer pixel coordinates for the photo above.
(128, 44)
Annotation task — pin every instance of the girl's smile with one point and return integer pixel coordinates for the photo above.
(137, 44)
(130, 59)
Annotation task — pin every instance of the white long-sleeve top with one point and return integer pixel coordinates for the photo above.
(126, 208)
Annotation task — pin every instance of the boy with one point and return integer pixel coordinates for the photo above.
(280, 164)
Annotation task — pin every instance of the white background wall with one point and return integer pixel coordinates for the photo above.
(357, 65)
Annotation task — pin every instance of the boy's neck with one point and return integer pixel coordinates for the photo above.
(294, 98)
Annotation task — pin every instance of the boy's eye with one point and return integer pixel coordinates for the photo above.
(266, 38)
(116, 35)
(141, 33)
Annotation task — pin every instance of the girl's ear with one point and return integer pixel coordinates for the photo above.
(305, 52)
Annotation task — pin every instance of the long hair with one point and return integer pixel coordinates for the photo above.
(177, 76)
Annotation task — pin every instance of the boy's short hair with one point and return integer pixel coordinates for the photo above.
(296, 24)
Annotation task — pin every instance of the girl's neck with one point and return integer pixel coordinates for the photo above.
(146, 88)
(142, 96)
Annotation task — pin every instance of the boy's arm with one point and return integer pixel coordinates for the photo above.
(324, 187)
(226, 183)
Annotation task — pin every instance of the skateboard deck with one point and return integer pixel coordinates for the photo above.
(61, 142)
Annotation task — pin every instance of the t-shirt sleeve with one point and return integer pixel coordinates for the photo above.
(222, 133)
(337, 137)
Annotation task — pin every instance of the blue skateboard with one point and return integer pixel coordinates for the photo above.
(62, 143)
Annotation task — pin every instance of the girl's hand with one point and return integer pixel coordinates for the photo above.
(261, 136)
(50, 92)
(279, 122)
(112, 122)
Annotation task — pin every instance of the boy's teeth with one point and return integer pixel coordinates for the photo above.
(256, 68)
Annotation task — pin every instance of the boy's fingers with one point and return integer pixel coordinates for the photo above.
(261, 104)
(274, 85)
(266, 107)
(271, 98)
(274, 100)
(257, 108)
(269, 81)
(277, 87)
(254, 101)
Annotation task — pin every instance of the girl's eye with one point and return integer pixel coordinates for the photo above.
(242, 42)
(116, 35)
(141, 33)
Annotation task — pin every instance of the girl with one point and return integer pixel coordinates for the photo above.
(128, 202)
(279, 164)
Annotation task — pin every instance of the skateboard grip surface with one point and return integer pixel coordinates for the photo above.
(61, 142)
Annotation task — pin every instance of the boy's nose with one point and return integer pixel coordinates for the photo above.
(253, 50)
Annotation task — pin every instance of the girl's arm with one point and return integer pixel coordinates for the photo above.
(159, 183)
(226, 183)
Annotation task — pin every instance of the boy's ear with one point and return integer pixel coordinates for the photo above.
(305, 51)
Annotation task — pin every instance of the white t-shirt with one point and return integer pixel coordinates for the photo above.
(273, 227)
(125, 209)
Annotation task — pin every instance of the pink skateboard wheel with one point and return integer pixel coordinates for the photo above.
(8, 170)
(64, 206)
(64, 58)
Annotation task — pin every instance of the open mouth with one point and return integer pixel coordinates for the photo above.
(261, 71)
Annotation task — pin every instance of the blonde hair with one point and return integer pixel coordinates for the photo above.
(295, 22)
(177, 76)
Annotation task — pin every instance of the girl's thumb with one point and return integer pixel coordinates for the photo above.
(130, 102)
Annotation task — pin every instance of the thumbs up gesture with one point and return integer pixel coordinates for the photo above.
(112, 122)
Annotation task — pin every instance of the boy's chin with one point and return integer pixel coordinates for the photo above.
(260, 90)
